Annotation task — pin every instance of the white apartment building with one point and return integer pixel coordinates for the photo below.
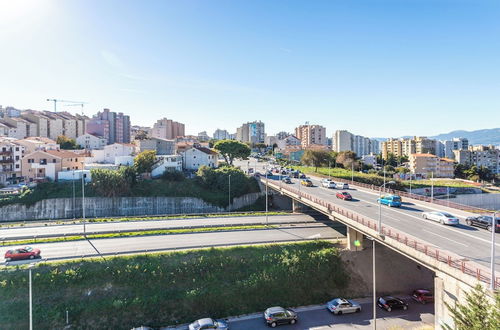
(455, 144)
(487, 156)
(288, 141)
(11, 155)
(346, 141)
(166, 162)
(34, 143)
(91, 142)
(253, 132)
(110, 153)
(221, 134)
(195, 157)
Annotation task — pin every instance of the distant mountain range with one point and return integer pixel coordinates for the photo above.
(482, 136)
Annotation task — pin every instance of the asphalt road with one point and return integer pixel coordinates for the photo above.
(129, 245)
(471, 242)
(318, 318)
(66, 229)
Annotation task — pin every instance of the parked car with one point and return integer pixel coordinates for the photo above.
(341, 185)
(344, 195)
(341, 306)
(306, 182)
(483, 221)
(286, 180)
(423, 296)
(442, 217)
(302, 176)
(26, 252)
(389, 303)
(390, 200)
(278, 315)
(327, 183)
(209, 323)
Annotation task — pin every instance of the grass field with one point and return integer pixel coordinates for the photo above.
(172, 288)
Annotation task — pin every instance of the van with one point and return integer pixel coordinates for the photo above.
(390, 200)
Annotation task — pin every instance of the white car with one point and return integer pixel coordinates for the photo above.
(341, 185)
(341, 306)
(327, 183)
(442, 217)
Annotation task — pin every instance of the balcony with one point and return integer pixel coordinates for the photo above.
(6, 161)
(5, 153)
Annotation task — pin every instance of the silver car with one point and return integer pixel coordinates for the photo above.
(442, 217)
(327, 183)
(209, 323)
(341, 306)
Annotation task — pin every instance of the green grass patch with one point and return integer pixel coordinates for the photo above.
(172, 288)
(134, 233)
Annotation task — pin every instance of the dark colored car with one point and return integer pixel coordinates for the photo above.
(295, 175)
(389, 303)
(286, 180)
(278, 315)
(302, 176)
(483, 221)
(208, 323)
(344, 195)
(422, 296)
(26, 252)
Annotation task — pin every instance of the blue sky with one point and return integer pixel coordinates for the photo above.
(376, 68)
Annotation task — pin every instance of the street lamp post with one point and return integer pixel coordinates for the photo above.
(380, 206)
(229, 194)
(432, 186)
(267, 220)
(74, 204)
(83, 200)
(329, 176)
(352, 172)
(493, 230)
(374, 280)
(31, 296)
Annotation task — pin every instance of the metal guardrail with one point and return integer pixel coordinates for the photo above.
(453, 260)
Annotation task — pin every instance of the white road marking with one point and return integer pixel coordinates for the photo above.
(449, 239)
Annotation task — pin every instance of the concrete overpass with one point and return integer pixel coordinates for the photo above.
(456, 273)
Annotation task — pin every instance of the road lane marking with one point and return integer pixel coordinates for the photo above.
(449, 239)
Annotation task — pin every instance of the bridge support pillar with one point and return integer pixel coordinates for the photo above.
(296, 206)
(354, 240)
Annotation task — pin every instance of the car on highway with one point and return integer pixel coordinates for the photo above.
(389, 303)
(483, 221)
(327, 183)
(306, 182)
(341, 185)
(287, 180)
(341, 306)
(443, 218)
(208, 323)
(22, 253)
(390, 200)
(423, 296)
(344, 195)
(278, 315)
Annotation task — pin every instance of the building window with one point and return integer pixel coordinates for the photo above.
(17, 165)
(54, 161)
(43, 161)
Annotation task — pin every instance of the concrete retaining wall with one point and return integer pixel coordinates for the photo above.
(62, 208)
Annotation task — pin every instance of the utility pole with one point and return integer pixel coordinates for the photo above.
(83, 200)
(229, 194)
(493, 232)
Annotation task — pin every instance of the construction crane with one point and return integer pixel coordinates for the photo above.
(76, 105)
(64, 101)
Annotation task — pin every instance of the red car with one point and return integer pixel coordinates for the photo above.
(344, 195)
(26, 252)
(423, 296)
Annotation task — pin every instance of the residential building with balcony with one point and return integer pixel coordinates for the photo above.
(161, 146)
(311, 134)
(11, 154)
(194, 158)
(221, 134)
(90, 141)
(168, 129)
(487, 156)
(41, 165)
(114, 127)
(252, 132)
(425, 164)
(33, 143)
(360, 145)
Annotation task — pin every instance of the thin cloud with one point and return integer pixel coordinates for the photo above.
(112, 59)
(285, 50)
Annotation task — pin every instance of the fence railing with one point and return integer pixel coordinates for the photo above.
(452, 260)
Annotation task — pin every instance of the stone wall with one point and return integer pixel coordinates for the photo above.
(62, 208)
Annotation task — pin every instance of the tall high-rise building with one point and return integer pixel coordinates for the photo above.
(455, 144)
(221, 134)
(253, 132)
(360, 145)
(311, 135)
(114, 127)
(168, 129)
(406, 147)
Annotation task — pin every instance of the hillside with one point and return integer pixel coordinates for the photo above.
(483, 136)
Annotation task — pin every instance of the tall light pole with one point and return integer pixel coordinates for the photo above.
(83, 200)
(380, 206)
(352, 171)
(410, 182)
(229, 194)
(374, 280)
(432, 186)
(74, 204)
(329, 176)
(493, 231)
(31, 295)
(267, 220)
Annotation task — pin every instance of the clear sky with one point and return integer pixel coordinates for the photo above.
(376, 68)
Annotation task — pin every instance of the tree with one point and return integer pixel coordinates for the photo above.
(459, 171)
(231, 149)
(346, 158)
(477, 313)
(391, 159)
(172, 175)
(144, 162)
(315, 158)
(109, 183)
(67, 143)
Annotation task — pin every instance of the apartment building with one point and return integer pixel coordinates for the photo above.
(34, 143)
(11, 154)
(311, 134)
(428, 164)
(90, 142)
(168, 129)
(194, 158)
(406, 147)
(361, 145)
(18, 127)
(455, 144)
(114, 127)
(46, 164)
(221, 134)
(161, 146)
(203, 136)
(116, 153)
(252, 132)
(288, 141)
(487, 156)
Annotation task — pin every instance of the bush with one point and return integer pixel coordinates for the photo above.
(173, 175)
